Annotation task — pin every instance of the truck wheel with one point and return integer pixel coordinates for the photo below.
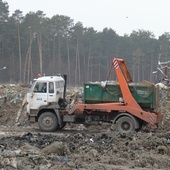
(125, 125)
(48, 122)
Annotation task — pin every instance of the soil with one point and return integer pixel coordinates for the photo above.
(96, 147)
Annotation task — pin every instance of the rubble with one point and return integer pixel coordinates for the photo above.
(79, 150)
(11, 97)
(78, 147)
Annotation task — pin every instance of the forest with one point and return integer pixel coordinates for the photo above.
(33, 43)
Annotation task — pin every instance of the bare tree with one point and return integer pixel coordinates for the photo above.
(28, 59)
(40, 51)
(68, 60)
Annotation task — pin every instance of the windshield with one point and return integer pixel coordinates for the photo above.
(31, 88)
(40, 87)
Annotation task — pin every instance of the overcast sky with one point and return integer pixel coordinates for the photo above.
(123, 16)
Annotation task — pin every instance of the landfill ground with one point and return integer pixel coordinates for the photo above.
(96, 147)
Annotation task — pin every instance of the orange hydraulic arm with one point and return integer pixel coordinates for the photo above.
(120, 62)
(124, 78)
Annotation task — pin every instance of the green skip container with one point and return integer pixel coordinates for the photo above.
(145, 93)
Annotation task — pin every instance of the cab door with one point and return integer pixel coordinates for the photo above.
(38, 95)
(52, 96)
(54, 91)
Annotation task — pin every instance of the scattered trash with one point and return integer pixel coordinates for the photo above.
(77, 146)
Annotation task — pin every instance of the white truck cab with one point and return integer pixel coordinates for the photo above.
(45, 90)
(44, 95)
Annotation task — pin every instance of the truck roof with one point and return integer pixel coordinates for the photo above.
(49, 78)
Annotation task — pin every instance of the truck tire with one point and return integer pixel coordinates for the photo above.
(125, 125)
(48, 122)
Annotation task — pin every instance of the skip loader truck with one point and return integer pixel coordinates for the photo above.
(128, 105)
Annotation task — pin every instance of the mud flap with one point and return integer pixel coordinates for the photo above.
(60, 121)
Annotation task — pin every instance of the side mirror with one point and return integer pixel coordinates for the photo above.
(32, 94)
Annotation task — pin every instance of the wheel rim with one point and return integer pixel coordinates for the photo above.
(47, 121)
(125, 126)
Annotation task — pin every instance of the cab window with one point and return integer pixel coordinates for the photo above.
(61, 83)
(40, 87)
(51, 87)
(57, 84)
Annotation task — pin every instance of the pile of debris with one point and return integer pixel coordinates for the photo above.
(11, 97)
(94, 147)
(83, 150)
(164, 107)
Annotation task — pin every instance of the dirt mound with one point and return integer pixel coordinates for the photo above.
(11, 97)
(84, 150)
(164, 107)
(79, 147)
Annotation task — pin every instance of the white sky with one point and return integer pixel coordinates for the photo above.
(123, 16)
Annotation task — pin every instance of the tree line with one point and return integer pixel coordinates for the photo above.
(33, 43)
